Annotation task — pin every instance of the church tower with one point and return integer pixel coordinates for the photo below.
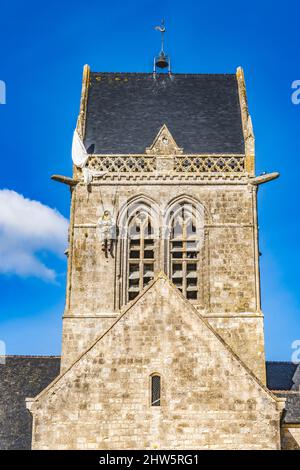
(171, 164)
(163, 333)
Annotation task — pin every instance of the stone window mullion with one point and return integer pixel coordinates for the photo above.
(184, 255)
(142, 261)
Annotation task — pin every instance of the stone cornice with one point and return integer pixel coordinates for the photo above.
(173, 179)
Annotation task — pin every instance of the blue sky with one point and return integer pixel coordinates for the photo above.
(43, 50)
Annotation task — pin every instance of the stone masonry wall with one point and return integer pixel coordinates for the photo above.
(208, 399)
(79, 334)
(230, 278)
(245, 335)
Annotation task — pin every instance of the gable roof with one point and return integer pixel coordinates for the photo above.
(20, 377)
(125, 111)
(24, 376)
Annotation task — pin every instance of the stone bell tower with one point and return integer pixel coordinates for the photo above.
(163, 341)
(167, 185)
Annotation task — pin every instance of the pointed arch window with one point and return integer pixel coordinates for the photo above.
(185, 236)
(141, 253)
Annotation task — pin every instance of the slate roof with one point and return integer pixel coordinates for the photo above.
(292, 407)
(21, 377)
(125, 111)
(280, 380)
(280, 375)
(25, 376)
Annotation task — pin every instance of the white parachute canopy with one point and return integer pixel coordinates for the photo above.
(79, 153)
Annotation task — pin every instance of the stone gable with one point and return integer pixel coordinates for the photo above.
(209, 398)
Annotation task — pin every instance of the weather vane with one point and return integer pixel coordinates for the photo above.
(162, 61)
(162, 29)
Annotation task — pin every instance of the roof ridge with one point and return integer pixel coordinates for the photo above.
(166, 74)
(282, 362)
(28, 355)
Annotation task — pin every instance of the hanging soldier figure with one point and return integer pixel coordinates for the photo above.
(107, 231)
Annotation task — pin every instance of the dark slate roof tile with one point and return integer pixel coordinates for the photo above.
(280, 375)
(280, 381)
(125, 111)
(22, 377)
(292, 407)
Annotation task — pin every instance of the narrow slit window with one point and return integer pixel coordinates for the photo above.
(155, 390)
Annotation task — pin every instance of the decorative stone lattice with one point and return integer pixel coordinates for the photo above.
(210, 164)
(182, 163)
(122, 164)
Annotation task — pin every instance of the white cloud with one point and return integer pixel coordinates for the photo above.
(28, 228)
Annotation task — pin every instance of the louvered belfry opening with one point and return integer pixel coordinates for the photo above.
(155, 390)
(140, 253)
(185, 251)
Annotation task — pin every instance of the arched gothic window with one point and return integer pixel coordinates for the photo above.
(185, 243)
(141, 253)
